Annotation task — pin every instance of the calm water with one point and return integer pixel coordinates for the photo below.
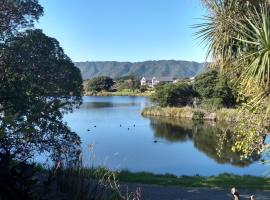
(157, 145)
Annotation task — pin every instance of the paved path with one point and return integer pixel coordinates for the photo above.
(153, 192)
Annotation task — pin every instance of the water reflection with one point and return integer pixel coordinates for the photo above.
(97, 105)
(158, 145)
(206, 137)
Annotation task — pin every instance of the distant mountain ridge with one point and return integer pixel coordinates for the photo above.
(172, 68)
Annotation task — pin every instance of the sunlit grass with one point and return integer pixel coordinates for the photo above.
(222, 180)
(223, 114)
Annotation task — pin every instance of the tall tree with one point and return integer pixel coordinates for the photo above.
(237, 34)
(16, 15)
(100, 83)
(39, 83)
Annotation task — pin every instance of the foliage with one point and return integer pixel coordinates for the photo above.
(221, 181)
(180, 94)
(128, 82)
(17, 15)
(39, 83)
(218, 32)
(224, 114)
(237, 33)
(16, 179)
(214, 90)
(212, 104)
(100, 83)
(82, 183)
(198, 115)
(143, 88)
(255, 37)
(93, 183)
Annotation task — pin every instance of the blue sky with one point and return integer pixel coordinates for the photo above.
(124, 30)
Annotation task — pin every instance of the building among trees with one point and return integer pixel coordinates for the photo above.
(152, 81)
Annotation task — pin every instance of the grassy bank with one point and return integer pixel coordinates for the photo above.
(192, 113)
(225, 181)
(222, 181)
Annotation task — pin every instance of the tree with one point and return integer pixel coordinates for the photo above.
(237, 34)
(180, 94)
(213, 88)
(128, 82)
(100, 83)
(205, 83)
(39, 84)
(17, 15)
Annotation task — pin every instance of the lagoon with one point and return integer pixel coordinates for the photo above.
(115, 135)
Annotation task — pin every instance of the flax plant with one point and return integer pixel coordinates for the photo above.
(237, 34)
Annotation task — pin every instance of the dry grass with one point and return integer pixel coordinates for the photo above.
(223, 114)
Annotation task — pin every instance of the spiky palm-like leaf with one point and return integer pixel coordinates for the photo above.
(255, 37)
(218, 32)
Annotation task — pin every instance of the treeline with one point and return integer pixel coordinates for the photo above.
(106, 84)
(209, 90)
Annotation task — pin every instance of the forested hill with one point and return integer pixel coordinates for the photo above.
(173, 68)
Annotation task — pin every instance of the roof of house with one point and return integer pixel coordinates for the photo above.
(147, 78)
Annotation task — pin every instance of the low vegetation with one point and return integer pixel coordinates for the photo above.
(222, 181)
(224, 114)
(179, 94)
(98, 84)
(124, 86)
(210, 90)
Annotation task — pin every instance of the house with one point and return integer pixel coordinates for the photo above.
(146, 81)
(151, 82)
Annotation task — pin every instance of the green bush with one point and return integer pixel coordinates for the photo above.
(143, 88)
(214, 90)
(180, 94)
(212, 104)
(128, 82)
(100, 83)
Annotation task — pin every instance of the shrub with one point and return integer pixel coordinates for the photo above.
(212, 104)
(214, 90)
(100, 83)
(180, 94)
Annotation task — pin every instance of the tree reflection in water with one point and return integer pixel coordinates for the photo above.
(213, 139)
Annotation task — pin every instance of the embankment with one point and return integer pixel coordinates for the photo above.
(223, 114)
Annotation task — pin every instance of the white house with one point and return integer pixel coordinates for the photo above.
(146, 81)
(151, 82)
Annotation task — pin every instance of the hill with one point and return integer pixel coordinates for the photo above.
(177, 69)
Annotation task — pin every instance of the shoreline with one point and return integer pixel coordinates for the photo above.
(224, 114)
(225, 180)
(130, 94)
